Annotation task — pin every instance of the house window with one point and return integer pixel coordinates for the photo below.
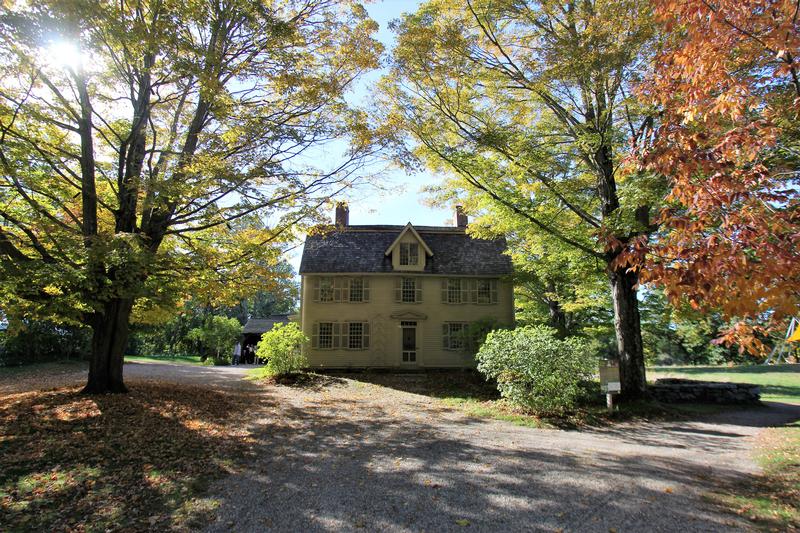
(326, 290)
(355, 332)
(336, 335)
(409, 253)
(454, 291)
(453, 335)
(485, 291)
(325, 338)
(407, 290)
(356, 290)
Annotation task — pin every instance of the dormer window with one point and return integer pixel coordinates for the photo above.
(409, 253)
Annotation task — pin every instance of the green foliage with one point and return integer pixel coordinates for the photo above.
(282, 348)
(217, 337)
(535, 370)
(474, 335)
(35, 341)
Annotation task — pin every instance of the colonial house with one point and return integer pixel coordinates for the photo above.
(399, 296)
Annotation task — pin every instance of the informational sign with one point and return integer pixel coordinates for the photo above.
(609, 376)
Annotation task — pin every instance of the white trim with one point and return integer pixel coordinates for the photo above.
(406, 229)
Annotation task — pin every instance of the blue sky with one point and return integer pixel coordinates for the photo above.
(401, 202)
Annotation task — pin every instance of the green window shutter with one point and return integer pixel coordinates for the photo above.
(315, 336)
(365, 288)
(337, 332)
(445, 336)
(398, 290)
(365, 334)
(315, 289)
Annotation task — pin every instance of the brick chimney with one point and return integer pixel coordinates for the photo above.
(342, 214)
(460, 217)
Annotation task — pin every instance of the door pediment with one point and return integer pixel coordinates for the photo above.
(409, 315)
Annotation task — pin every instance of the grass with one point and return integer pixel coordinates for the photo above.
(135, 462)
(771, 500)
(779, 383)
(178, 359)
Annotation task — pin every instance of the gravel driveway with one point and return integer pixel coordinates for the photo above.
(346, 455)
(349, 456)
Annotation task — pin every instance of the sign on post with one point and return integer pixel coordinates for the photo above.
(609, 381)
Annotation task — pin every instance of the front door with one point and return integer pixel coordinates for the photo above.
(409, 340)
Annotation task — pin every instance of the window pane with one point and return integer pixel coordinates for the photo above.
(413, 254)
(356, 290)
(356, 331)
(409, 290)
(456, 336)
(326, 290)
(403, 253)
(454, 291)
(326, 335)
(484, 291)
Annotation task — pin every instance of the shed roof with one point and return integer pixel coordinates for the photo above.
(360, 249)
(262, 325)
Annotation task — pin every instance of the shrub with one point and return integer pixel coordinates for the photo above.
(535, 370)
(282, 347)
(217, 338)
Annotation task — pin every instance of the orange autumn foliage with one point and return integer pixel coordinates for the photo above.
(727, 82)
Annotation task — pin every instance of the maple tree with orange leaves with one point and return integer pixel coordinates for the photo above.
(727, 84)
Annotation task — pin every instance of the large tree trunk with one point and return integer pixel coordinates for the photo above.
(627, 326)
(109, 338)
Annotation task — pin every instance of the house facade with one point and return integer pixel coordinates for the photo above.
(399, 296)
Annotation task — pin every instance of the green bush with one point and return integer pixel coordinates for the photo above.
(282, 348)
(216, 338)
(535, 370)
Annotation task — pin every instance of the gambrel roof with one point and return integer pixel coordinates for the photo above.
(361, 249)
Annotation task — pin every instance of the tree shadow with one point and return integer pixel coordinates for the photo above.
(122, 462)
(437, 384)
(350, 465)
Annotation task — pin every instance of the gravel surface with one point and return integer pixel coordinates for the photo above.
(343, 455)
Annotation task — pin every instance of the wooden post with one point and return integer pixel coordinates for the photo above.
(610, 402)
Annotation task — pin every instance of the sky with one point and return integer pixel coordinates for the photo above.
(402, 201)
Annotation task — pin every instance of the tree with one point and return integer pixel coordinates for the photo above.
(142, 140)
(727, 85)
(217, 337)
(528, 104)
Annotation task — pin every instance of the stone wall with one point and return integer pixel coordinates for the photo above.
(674, 390)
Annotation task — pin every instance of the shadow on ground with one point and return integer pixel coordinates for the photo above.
(343, 461)
(116, 462)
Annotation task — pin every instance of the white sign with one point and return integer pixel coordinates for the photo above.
(613, 386)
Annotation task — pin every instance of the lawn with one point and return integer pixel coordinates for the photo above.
(178, 359)
(134, 462)
(779, 383)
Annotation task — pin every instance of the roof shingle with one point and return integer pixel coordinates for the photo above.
(360, 249)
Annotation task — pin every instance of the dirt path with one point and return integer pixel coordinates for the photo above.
(356, 456)
(347, 455)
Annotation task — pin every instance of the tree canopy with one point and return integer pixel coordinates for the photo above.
(149, 147)
(727, 86)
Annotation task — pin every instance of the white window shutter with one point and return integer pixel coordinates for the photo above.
(365, 335)
(315, 336)
(466, 286)
(493, 288)
(446, 336)
(398, 289)
(444, 290)
(365, 289)
(418, 290)
(345, 335)
(337, 332)
(315, 289)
